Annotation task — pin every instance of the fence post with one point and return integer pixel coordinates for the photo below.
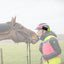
(1, 56)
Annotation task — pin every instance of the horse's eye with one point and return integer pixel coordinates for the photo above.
(22, 27)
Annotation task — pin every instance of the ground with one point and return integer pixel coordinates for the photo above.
(14, 53)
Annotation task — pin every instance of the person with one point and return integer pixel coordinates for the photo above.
(49, 46)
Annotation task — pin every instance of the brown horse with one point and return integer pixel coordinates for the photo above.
(17, 32)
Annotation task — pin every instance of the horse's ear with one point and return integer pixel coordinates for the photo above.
(13, 20)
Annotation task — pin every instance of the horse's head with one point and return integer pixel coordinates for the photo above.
(19, 33)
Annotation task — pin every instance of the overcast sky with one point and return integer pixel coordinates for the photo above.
(30, 13)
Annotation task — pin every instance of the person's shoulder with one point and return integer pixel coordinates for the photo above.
(53, 40)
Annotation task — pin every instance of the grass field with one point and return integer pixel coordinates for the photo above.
(14, 53)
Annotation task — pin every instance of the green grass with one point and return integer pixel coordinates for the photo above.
(62, 49)
(16, 53)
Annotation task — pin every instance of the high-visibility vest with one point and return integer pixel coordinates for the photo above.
(47, 48)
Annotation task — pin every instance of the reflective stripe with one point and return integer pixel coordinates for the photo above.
(47, 38)
(45, 41)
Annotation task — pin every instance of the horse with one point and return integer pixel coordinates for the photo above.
(18, 33)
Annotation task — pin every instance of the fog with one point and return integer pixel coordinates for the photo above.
(30, 13)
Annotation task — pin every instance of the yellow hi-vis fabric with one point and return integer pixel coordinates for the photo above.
(47, 38)
(55, 60)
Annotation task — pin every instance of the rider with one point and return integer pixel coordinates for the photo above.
(49, 46)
